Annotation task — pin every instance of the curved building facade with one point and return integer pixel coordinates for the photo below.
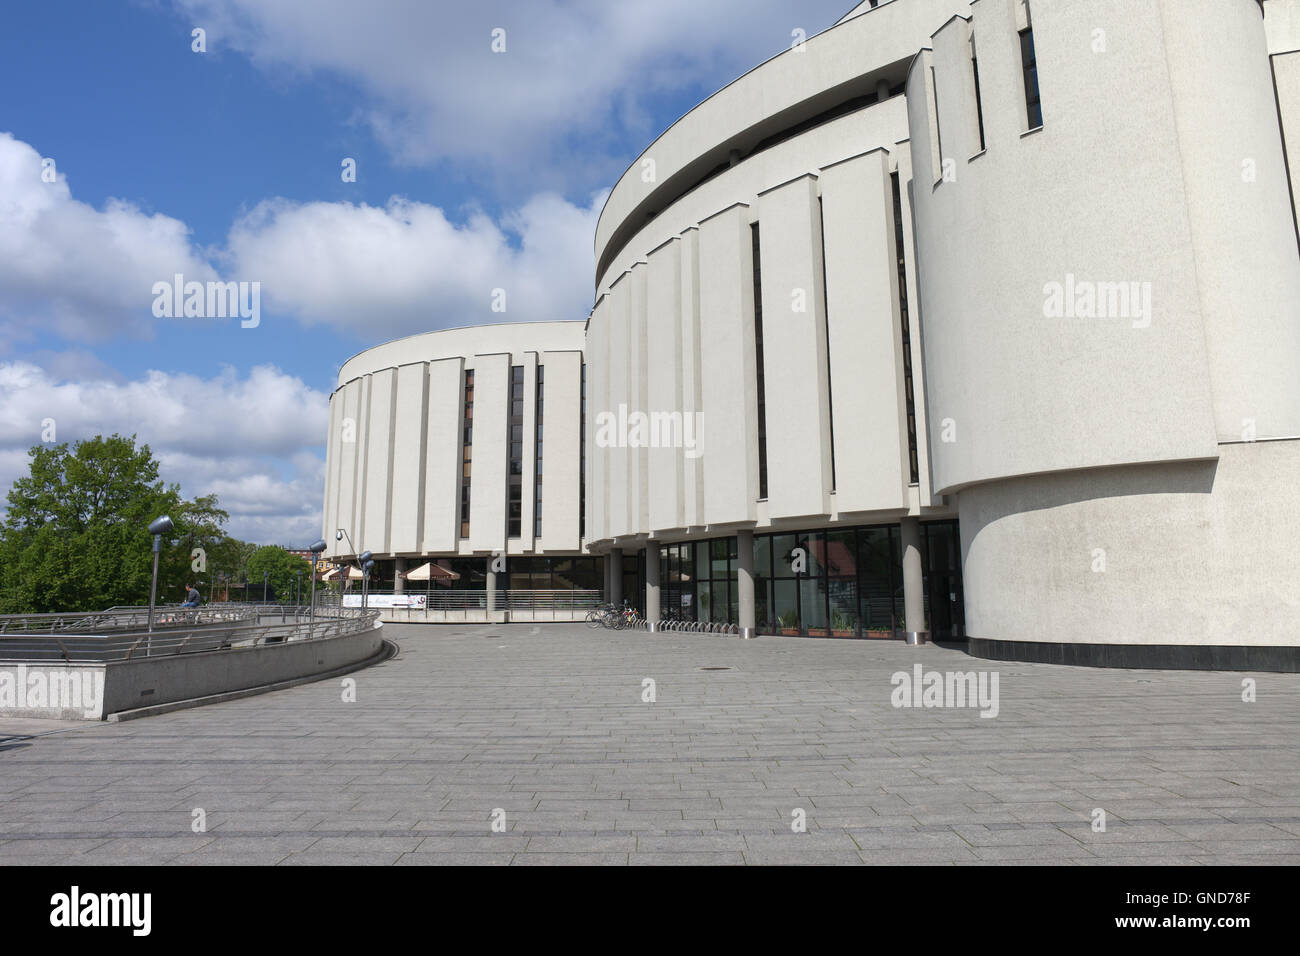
(460, 447)
(973, 317)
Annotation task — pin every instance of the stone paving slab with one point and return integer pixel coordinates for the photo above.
(546, 723)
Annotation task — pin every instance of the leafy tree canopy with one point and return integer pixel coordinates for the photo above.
(76, 537)
(282, 570)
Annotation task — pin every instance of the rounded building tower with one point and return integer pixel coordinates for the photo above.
(976, 319)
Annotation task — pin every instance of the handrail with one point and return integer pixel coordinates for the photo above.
(200, 631)
(462, 599)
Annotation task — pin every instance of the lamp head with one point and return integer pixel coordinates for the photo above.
(318, 547)
(364, 556)
(161, 525)
(338, 535)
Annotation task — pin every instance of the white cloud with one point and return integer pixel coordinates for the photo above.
(407, 268)
(378, 272)
(253, 440)
(556, 108)
(86, 273)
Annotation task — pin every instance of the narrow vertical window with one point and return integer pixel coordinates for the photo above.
(1029, 60)
(515, 475)
(758, 361)
(467, 451)
(938, 123)
(582, 460)
(979, 100)
(906, 330)
(537, 455)
(826, 321)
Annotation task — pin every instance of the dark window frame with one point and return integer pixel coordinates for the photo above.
(761, 391)
(1029, 73)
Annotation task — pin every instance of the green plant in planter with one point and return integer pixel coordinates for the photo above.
(788, 620)
(841, 621)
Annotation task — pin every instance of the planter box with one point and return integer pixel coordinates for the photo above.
(877, 635)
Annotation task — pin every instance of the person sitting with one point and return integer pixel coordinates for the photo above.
(191, 596)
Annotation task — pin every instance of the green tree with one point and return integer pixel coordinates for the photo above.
(230, 557)
(281, 569)
(76, 537)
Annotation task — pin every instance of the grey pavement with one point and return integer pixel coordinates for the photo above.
(544, 728)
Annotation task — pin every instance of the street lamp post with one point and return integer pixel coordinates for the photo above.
(364, 562)
(316, 550)
(158, 527)
(266, 582)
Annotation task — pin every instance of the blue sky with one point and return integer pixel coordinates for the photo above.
(475, 170)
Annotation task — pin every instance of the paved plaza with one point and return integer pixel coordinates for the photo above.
(548, 724)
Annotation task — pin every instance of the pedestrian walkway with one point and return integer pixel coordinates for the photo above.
(548, 731)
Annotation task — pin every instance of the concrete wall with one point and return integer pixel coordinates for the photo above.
(673, 329)
(1166, 553)
(146, 681)
(1121, 478)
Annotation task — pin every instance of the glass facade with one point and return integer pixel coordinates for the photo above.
(715, 580)
(467, 451)
(472, 571)
(515, 472)
(537, 455)
(941, 562)
(835, 583)
(677, 582)
(840, 582)
(634, 580)
(544, 573)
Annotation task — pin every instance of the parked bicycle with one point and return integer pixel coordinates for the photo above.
(615, 617)
(599, 615)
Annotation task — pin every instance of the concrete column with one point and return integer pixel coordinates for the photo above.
(652, 585)
(913, 582)
(491, 588)
(747, 618)
(399, 582)
(616, 576)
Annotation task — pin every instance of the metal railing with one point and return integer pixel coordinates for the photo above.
(116, 619)
(119, 634)
(699, 627)
(552, 600)
(468, 599)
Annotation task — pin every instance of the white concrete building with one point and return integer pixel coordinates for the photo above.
(975, 317)
(460, 447)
